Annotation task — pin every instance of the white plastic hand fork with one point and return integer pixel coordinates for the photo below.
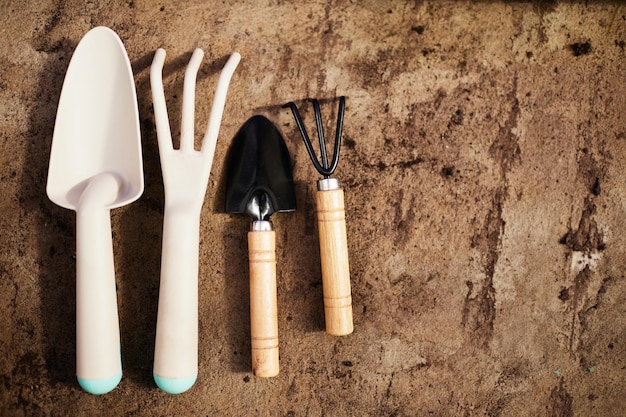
(185, 177)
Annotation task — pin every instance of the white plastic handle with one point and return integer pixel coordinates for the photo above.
(176, 346)
(185, 177)
(98, 361)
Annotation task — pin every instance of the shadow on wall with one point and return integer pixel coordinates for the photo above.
(55, 225)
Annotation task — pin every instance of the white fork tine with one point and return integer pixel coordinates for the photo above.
(217, 109)
(164, 136)
(189, 102)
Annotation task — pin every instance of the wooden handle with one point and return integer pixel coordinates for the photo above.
(331, 221)
(263, 305)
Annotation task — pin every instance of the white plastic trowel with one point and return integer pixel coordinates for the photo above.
(95, 166)
(185, 177)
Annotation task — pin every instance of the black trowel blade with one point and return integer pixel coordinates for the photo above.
(259, 162)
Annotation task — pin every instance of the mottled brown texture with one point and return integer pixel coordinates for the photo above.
(483, 170)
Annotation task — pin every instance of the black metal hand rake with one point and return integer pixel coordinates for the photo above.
(324, 168)
(331, 225)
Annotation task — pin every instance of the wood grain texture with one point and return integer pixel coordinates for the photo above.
(263, 304)
(331, 221)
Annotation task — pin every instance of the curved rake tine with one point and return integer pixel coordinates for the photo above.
(219, 102)
(164, 136)
(189, 102)
(305, 136)
(338, 132)
(320, 133)
(324, 168)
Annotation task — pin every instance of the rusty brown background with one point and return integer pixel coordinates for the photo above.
(483, 168)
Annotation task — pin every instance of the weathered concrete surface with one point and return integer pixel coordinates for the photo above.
(484, 182)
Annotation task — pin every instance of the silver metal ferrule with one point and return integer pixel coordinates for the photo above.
(328, 184)
(261, 226)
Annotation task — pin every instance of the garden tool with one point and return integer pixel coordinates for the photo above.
(95, 166)
(331, 224)
(260, 183)
(185, 178)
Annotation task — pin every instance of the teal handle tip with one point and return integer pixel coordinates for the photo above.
(100, 386)
(174, 385)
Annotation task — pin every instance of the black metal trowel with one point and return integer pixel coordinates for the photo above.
(260, 183)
